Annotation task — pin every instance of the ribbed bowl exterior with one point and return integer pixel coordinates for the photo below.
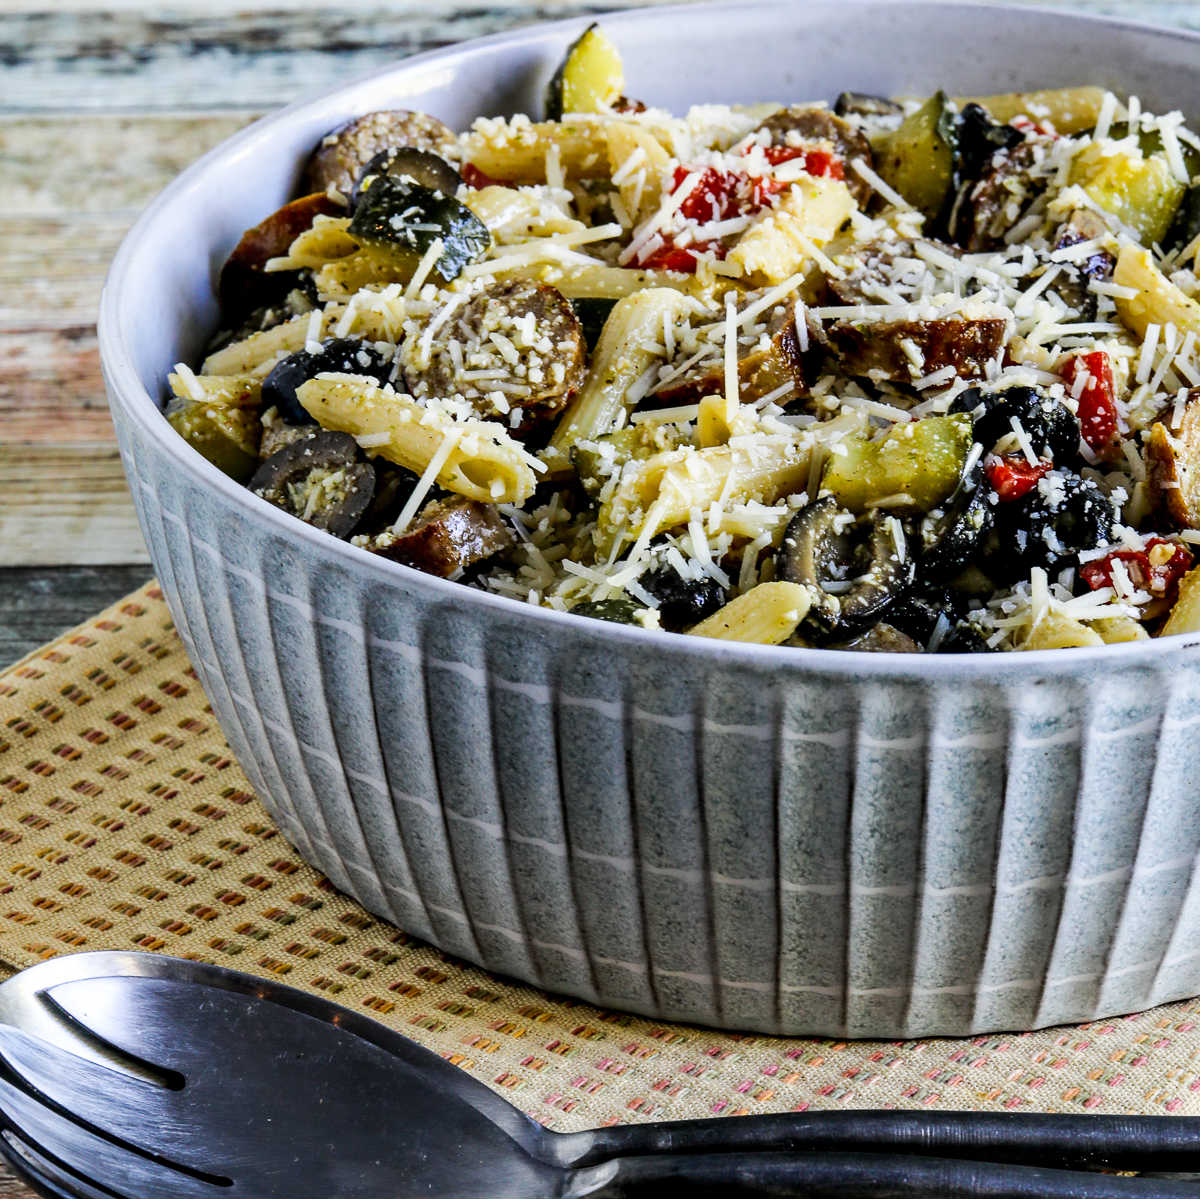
(787, 851)
(783, 841)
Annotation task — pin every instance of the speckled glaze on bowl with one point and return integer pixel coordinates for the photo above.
(777, 840)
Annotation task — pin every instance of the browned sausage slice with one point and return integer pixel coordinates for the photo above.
(802, 126)
(760, 372)
(993, 205)
(447, 536)
(244, 282)
(878, 349)
(512, 345)
(1173, 464)
(342, 153)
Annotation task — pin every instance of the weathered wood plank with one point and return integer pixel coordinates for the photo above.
(249, 58)
(66, 504)
(68, 202)
(38, 603)
(56, 165)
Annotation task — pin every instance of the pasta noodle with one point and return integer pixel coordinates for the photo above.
(767, 614)
(479, 457)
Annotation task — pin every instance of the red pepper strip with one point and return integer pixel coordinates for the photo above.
(1012, 475)
(669, 257)
(713, 198)
(1097, 401)
(473, 177)
(816, 162)
(1160, 579)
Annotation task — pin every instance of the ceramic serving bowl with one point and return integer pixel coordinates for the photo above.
(770, 839)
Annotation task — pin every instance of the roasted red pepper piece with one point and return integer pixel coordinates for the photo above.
(816, 162)
(719, 195)
(713, 198)
(1097, 401)
(1154, 570)
(1012, 475)
(670, 257)
(473, 177)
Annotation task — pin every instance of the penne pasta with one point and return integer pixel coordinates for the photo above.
(767, 614)
(484, 463)
(628, 345)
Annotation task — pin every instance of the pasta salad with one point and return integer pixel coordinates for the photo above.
(913, 374)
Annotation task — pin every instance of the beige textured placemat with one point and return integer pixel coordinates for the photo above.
(125, 823)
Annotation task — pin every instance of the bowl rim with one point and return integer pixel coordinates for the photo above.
(117, 310)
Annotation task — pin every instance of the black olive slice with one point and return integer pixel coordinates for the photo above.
(347, 356)
(407, 162)
(951, 533)
(319, 479)
(979, 137)
(1051, 427)
(824, 543)
(1061, 517)
(682, 602)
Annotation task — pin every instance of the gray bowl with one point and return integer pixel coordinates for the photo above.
(757, 838)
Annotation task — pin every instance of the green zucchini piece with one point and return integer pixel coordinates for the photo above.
(588, 79)
(1139, 191)
(919, 157)
(405, 218)
(1185, 228)
(227, 437)
(620, 610)
(1150, 142)
(635, 442)
(922, 460)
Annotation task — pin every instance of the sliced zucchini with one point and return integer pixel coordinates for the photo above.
(598, 459)
(1185, 226)
(405, 218)
(589, 78)
(227, 437)
(1150, 142)
(914, 468)
(1140, 191)
(426, 168)
(918, 158)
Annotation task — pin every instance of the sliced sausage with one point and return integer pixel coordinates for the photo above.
(760, 372)
(802, 126)
(879, 265)
(1173, 465)
(904, 351)
(245, 284)
(989, 208)
(513, 345)
(447, 537)
(1083, 225)
(341, 155)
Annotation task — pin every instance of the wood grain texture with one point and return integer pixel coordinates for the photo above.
(39, 603)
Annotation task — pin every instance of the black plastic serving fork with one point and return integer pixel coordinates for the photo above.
(135, 1074)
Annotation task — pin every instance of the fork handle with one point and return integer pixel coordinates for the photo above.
(859, 1175)
(1052, 1140)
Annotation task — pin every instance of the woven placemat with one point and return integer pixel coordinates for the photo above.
(125, 823)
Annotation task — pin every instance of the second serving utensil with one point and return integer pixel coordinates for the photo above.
(138, 1074)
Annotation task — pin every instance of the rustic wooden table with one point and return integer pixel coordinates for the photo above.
(100, 105)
